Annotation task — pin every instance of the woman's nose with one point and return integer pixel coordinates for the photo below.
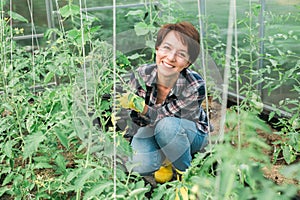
(172, 55)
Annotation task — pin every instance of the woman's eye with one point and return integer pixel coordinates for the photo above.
(166, 47)
(182, 55)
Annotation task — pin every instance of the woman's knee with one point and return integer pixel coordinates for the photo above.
(146, 163)
(166, 129)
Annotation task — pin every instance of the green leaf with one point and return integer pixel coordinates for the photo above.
(4, 124)
(42, 166)
(74, 34)
(69, 10)
(138, 191)
(60, 162)
(17, 16)
(3, 190)
(94, 29)
(271, 115)
(7, 107)
(274, 62)
(139, 103)
(291, 171)
(83, 177)
(276, 154)
(97, 189)
(29, 123)
(152, 29)
(136, 56)
(150, 44)
(9, 178)
(32, 143)
(49, 77)
(41, 159)
(141, 28)
(61, 135)
(105, 105)
(51, 31)
(135, 13)
(8, 148)
(288, 154)
(72, 175)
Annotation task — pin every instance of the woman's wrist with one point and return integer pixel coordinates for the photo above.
(145, 110)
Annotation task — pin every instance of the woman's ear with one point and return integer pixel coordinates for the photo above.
(188, 64)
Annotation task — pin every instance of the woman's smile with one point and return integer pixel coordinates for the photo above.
(167, 65)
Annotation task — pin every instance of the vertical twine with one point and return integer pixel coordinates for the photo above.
(203, 63)
(33, 32)
(227, 74)
(114, 98)
(84, 76)
(11, 47)
(237, 75)
(231, 23)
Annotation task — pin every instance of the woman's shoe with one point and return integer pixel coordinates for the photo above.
(165, 172)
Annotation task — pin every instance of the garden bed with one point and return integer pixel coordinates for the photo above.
(273, 172)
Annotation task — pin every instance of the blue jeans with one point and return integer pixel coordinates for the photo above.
(172, 138)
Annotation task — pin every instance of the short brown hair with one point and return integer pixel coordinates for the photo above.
(188, 35)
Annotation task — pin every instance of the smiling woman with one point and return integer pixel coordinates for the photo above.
(174, 124)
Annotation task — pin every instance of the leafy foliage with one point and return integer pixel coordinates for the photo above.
(263, 83)
(54, 140)
(236, 171)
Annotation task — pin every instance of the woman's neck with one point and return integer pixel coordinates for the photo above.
(167, 82)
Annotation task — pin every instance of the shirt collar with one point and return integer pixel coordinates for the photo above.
(152, 78)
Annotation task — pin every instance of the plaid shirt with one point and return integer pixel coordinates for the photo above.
(183, 101)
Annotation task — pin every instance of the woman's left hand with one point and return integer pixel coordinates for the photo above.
(131, 101)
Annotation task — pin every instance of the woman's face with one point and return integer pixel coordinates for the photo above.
(172, 56)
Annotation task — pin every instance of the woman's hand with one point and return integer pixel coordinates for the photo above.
(131, 101)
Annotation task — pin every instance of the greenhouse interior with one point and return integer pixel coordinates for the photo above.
(65, 63)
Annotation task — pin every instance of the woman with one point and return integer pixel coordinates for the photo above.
(172, 123)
